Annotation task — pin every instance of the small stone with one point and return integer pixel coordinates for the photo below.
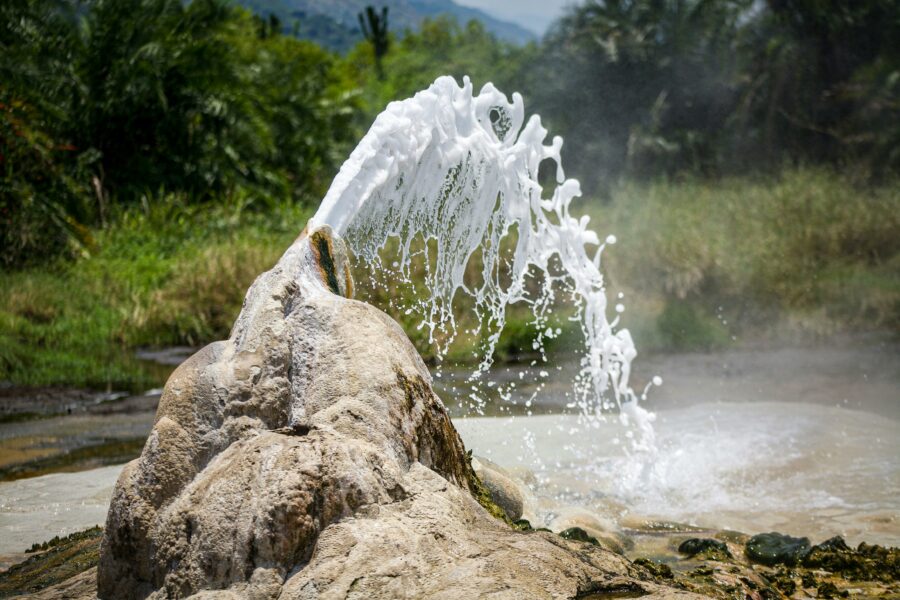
(777, 549)
(579, 535)
(836, 544)
(594, 526)
(522, 525)
(711, 548)
(657, 569)
(503, 489)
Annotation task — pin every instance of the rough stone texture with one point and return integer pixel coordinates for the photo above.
(80, 587)
(308, 457)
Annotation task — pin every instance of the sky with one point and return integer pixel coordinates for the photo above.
(535, 15)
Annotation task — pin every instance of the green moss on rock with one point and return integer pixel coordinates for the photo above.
(59, 559)
(866, 563)
(522, 525)
(483, 496)
(579, 535)
(706, 548)
(777, 549)
(658, 570)
(785, 581)
(829, 590)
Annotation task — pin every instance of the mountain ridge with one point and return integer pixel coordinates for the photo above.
(334, 23)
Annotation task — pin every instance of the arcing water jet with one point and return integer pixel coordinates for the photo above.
(459, 171)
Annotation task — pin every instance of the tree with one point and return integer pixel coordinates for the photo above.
(44, 198)
(640, 86)
(440, 46)
(375, 30)
(124, 100)
(825, 81)
(649, 87)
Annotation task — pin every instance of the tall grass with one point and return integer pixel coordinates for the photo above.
(809, 253)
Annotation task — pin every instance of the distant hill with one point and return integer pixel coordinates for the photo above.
(334, 24)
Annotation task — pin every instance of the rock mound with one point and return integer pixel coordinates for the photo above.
(308, 457)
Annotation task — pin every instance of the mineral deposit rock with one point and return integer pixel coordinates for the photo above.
(308, 457)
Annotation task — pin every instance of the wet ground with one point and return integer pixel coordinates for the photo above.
(805, 439)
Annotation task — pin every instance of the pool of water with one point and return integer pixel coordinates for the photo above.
(802, 469)
(804, 440)
(38, 508)
(801, 439)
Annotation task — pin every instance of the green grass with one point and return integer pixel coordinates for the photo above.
(173, 274)
(810, 253)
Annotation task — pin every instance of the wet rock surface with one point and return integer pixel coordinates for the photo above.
(866, 562)
(308, 457)
(708, 547)
(656, 562)
(732, 573)
(504, 491)
(777, 549)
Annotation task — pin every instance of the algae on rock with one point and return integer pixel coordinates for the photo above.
(53, 562)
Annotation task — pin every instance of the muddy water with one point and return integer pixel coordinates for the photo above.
(94, 434)
(800, 439)
(36, 509)
(796, 468)
(860, 372)
(804, 440)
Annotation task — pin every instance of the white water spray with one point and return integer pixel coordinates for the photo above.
(460, 172)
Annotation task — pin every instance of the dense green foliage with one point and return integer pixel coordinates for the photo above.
(722, 86)
(440, 47)
(132, 99)
(806, 252)
(108, 102)
(155, 155)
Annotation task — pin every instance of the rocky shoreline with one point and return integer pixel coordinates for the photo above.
(724, 565)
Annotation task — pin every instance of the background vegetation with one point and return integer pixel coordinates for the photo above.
(156, 155)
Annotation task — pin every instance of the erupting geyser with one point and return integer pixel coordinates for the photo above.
(460, 172)
(307, 456)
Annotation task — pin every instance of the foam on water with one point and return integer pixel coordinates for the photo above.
(459, 172)
(799, 468)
